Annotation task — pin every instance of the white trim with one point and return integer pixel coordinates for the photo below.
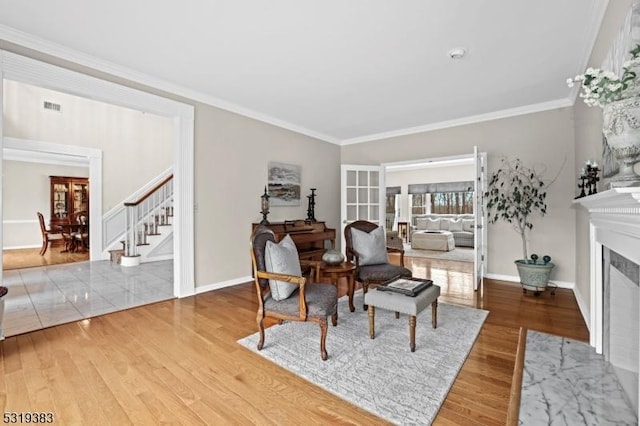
(13, 222)
(32, 42)
(223, 284)
(22, 247)
(582, 305)
(516, 279)
(496, 115)
(27, 70)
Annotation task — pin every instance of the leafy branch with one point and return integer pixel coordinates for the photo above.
(515, 193)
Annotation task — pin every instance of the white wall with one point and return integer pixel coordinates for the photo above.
(25, 192)
(136, 146)
(433, 174)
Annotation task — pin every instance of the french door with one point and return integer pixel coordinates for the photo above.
(480, 234)
(362, 195)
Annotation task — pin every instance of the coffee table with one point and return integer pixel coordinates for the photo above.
(433, 240)
(335, 272)
(399, 303)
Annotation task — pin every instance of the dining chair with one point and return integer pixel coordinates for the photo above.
(48, 235)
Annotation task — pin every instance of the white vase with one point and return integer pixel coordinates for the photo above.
(621, 127)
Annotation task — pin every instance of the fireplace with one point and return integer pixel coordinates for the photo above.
(614, 323)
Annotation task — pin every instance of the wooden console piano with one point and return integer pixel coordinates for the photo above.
(309, 237)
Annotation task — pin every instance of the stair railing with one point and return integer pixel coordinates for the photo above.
(144, 215)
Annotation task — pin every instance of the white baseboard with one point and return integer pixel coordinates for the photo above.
(21, 247)
(223, 284)
(516, 279)
(584, 309)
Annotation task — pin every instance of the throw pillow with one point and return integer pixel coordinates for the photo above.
(467, 225)
(421, 223)
(433, 224)
(455, 226)
(444, 224)
(282, 258)
(370, 246)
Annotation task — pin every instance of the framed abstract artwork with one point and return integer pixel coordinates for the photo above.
(283, 184)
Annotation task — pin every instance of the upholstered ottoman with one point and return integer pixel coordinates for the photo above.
(433, 240)
(399, 303)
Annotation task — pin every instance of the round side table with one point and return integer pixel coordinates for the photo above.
(335, 272)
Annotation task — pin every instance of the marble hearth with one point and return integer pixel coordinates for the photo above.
(614, 323)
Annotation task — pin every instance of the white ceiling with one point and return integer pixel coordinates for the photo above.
(342, 70)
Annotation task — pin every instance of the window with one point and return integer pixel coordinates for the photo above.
(392, 206)
(451, 202)
(420, 204)
(441, 198)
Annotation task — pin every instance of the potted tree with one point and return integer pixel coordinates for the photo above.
(514, 194)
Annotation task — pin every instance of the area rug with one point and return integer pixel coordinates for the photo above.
(565, 383)
(381, 375)
(459, 254)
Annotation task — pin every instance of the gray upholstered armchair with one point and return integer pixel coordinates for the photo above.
(283, 293)
(366, 247)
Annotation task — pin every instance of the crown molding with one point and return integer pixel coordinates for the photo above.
(30, 41)
(496, 115)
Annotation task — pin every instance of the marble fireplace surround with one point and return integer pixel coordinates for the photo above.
(614, 222)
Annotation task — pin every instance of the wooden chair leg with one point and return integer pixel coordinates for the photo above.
(323, 340)
(261, 330)
(412, 332)
(45, 245)
(372, 327)
(365, 289)
(434, 314)
(334, 319)
(352, 284)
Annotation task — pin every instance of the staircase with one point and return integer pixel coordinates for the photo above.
(148, 233)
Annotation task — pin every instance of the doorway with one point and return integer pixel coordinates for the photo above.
(436, 193)
(19, 68)
(31, 164)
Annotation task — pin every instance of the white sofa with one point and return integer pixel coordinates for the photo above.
(462, 226)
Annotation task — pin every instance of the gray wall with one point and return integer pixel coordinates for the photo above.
(544, 139)
(231, 157)
(588, 130)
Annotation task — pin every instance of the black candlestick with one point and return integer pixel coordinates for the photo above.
(265, 207)
(311, 214)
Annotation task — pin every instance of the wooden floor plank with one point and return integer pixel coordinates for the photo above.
(178, 361)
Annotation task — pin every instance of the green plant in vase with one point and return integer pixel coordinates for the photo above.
(515, 194)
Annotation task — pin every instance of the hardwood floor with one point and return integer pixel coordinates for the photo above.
(30, 258)
(178, 361)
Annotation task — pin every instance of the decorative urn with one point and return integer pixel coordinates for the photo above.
(621, 127)
(332, 257)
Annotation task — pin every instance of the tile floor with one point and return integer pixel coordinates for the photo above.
(51, 295)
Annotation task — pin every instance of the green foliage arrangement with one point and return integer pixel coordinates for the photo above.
(600, 87)
(514, 194)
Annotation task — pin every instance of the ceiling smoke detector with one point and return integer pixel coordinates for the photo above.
(457, 53)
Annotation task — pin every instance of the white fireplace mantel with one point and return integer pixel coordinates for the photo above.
(614, 201)
(614, 222)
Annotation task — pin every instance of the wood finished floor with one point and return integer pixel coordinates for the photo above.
(178, 361)
(31, 258)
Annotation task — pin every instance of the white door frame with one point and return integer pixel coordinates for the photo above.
(453, 159)
(45, 152)
(31, 71)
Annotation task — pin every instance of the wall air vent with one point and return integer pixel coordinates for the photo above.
(52, 106)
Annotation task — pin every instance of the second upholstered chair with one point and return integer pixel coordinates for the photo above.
(366, 247)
